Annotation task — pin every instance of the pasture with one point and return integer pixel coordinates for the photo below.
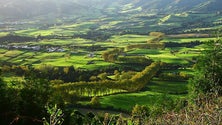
(149, 96)
(78, 52)
(82, 44)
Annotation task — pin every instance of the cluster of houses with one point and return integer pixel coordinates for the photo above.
(33, 48)
(55, 49)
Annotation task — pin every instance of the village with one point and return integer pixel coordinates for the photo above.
(34, 48)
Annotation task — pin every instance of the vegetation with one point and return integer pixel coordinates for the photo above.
(25, 103)
(117, 63)
(208, 76)
(56, 116)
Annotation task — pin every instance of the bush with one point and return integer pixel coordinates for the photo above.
(25, 102)
(208, 113)
(208, 77)
(76, 118)
(95, 101)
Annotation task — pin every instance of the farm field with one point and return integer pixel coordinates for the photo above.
(79, 55)
(105, 58)
(86, 54)
(149, 96)
(104, 62)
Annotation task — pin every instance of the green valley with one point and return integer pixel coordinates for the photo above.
(142, 59)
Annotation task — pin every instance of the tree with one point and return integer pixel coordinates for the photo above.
(103, 76)
(56, 116)
(76, 118)
(157, 34)
(4, 102)
(208, 77)
(91, 119)
(117, 74)
(24, 103)
(34, 96)
(95, 101)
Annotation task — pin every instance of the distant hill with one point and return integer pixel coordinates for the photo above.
(175, 6)
(26, 9)
(158, 6)
(20, 9)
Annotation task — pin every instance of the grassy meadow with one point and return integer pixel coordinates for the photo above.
(149, 96)
(84, 42)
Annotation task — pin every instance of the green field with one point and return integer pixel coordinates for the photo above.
(81, 44)
(148, 97)
(180, 40)
(104, 62)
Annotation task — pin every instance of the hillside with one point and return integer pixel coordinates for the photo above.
(53, 9)
(175, 6)
(159, 6)
(50, 9)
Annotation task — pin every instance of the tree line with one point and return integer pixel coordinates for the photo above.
(66, 73)
(112, 55)
(104, 87)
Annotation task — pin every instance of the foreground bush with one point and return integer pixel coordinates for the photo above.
(206, 112)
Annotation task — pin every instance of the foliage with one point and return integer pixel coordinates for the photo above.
(102, 76)
(140, 114)
(176, 76)
(163, 104)
(208, 78)
(34, 96)
(56, 116)
(142, 78)
(25, 103)
(4, 102)
(208, 113)
(134, 60)
(13, 38)
(95, 101)
(76, 118)
(26, 99)
(183, 44)
(112, 55)
(95, 88)
(126, 75)
(146, 46)
(157, 34)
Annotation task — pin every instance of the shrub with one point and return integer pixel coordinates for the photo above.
(95, 101)
(208, 77)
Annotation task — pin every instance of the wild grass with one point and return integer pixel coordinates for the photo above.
(208, 113)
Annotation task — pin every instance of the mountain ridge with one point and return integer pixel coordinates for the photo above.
(26, 9)
(20, 9)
